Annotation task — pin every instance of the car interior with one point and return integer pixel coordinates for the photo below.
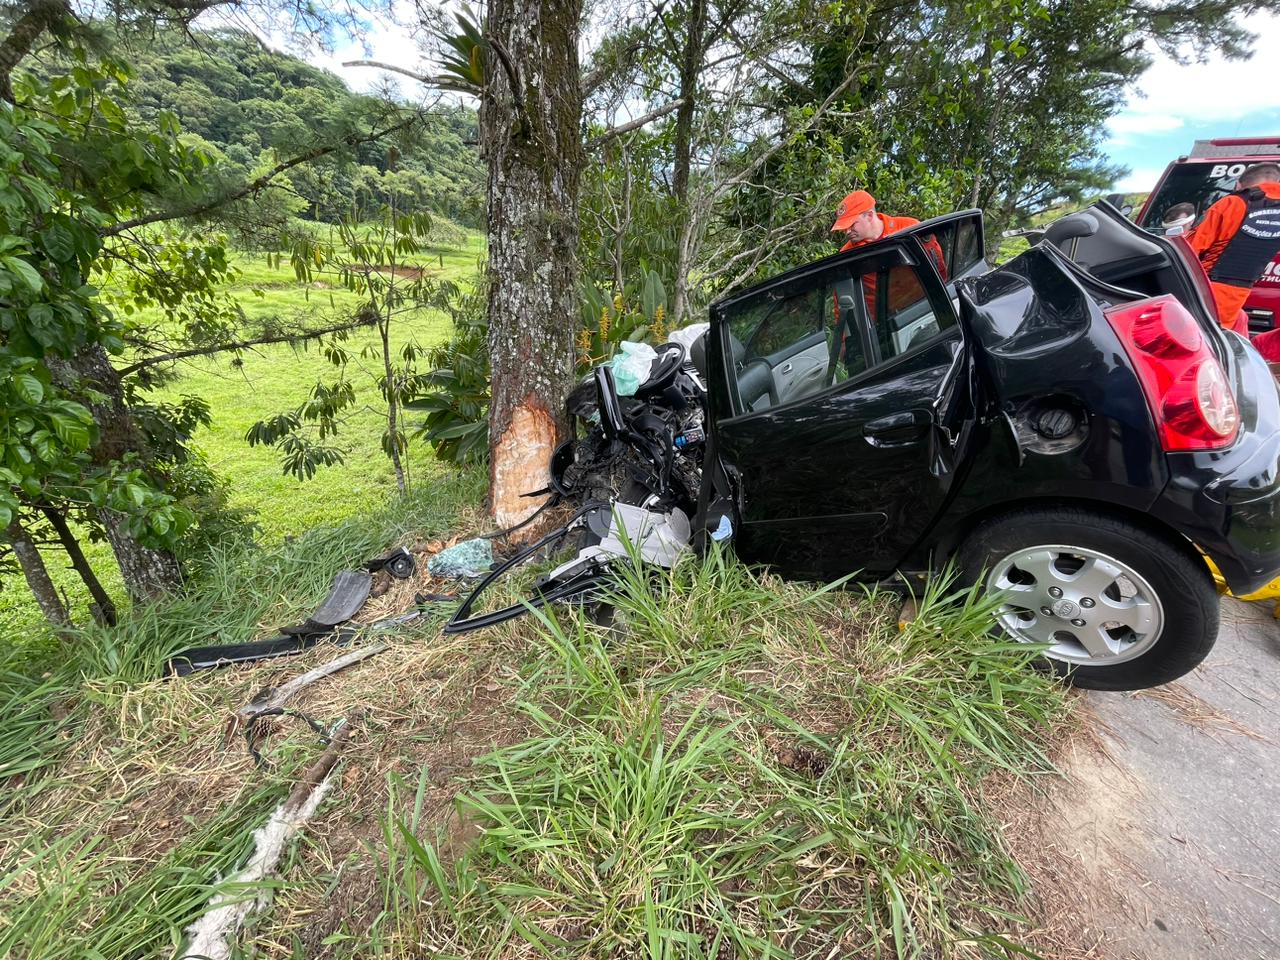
(797, 340)
(1113, 250)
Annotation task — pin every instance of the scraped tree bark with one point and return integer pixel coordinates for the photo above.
(531, 137)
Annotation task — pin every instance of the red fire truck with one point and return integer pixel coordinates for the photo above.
(1204, 176)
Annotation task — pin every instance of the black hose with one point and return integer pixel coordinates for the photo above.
(462, 621)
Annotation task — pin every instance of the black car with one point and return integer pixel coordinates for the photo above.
(1072, 428)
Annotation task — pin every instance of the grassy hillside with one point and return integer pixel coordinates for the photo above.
(244, 389)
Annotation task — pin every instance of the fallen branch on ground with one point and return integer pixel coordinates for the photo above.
(210, 937)
(273, 698)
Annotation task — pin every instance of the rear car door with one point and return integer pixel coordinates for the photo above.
(847, 470)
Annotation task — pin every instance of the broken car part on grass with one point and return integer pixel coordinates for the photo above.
(330, 621)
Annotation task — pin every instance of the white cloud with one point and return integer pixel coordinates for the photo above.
(389, 39)
(1138, 180)
(1171, 94)
(1127, 123)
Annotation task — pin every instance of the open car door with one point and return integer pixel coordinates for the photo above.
(840, 398)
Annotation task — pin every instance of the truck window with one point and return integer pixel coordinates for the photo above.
(1200, 184)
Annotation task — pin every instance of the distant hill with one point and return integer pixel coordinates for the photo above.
(244, 99)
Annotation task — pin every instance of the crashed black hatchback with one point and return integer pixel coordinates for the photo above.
(1072, 429)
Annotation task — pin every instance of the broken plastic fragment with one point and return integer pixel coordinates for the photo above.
(470, 558)
(723, 530)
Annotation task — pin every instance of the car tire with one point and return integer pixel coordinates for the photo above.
(1164, 627)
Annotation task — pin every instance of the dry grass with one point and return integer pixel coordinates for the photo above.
(847, 783)
(1197, 712)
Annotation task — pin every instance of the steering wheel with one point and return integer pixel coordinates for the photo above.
(665, 367)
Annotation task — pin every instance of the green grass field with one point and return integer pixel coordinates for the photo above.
(242, 390)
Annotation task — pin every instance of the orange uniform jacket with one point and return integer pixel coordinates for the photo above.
(893, 225)
(1221, 223)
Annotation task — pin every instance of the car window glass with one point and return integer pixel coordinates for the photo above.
(796, 341)
(1199, 184)
(967, 250)
(955, 246)
(901, 314)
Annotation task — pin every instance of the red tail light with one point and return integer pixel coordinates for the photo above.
(1186, 388)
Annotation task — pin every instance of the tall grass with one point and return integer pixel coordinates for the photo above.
(67, 897)
(742, 767)
(244, 589)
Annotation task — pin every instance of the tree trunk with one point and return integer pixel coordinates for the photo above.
(38, 16)
(530, 135)
(37, 575)
(690, 67)
(147, 573)
(105, 605)
(393, 405)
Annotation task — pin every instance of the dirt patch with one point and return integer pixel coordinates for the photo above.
(1079, 838)
(399, 270)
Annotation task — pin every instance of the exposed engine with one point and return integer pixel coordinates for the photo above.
(633, 468)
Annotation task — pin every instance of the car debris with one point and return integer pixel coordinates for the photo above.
(634, 473)
(329, 622)
(465, 560)
(398, 562)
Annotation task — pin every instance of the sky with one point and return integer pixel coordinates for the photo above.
(1173, 105)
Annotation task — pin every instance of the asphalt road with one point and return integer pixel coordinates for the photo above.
(1181, 826)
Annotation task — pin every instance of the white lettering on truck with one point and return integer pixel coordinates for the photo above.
(1223, 170)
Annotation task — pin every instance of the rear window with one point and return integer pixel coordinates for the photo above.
(1200, 184)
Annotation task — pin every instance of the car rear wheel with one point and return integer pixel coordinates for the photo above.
(1117, 606)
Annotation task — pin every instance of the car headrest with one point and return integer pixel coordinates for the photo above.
(698, 355)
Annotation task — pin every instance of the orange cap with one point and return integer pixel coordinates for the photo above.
(851, 207)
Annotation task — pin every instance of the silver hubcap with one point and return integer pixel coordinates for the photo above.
(1087, 607)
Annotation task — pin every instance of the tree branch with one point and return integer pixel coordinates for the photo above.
(420, 77)
(294, 337)
(39, 16)
(208, 206)
(760, 161)
(635, 124)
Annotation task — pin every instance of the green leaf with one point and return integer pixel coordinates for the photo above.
(71, 431)
(58, 243)
(457, 430)
(29, 388)
(26, 271)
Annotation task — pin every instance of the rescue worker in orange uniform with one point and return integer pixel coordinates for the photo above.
(861, 224)
(1239, 236)
(858, 220)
